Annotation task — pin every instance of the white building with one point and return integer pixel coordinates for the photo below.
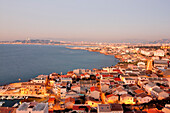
(159, 52)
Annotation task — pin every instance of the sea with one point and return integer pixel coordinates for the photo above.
(25, 62)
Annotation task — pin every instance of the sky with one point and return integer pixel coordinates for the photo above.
(85, 20)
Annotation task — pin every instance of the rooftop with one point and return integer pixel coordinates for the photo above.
(158, 90)
(40, 107)
(116, 107)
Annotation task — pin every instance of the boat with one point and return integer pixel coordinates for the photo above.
(20, 97)
(15, 105)
(26, 97)
(9, 98)
(1, 103)
(15, 97)
(3, 97)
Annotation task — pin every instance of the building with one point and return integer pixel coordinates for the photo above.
(146, 52)
(92, 102)
(127, 99)
(81, 108)
(39, 79)
(33, 108)
(159, 53)
(148, 87)
(109, 108)
(95, 92)
(85, 85)
(161, 63)
(111, 98)
(129, 81)
(143, 98)
(141, 64)
(66, 80)
(166, 109)
(159, 93)
(33, 88)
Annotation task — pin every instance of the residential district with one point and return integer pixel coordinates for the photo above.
(138, 83)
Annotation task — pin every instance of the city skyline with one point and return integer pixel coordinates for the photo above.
(97, 20)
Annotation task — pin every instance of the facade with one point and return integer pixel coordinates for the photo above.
(126, 99)
(33, 88)
(111, 98)
(161, 63)
(143, 98)
(146, 52)
(39, 80)
(66, 80)
(158, 53)
(92, 102)
(129, 81)
(95, 92)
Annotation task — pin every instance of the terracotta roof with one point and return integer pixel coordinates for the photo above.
(108, 96)
(117, 79)
(51, 99)
(65, 76)
(82, 75)
(97, 74)
(119, 89)
(107, 75)
(138, 91)
(125, 95)
(94, 89)
(70, 99)
(81, 107)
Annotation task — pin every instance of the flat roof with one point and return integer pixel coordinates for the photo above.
(39, 107)
(23, 107)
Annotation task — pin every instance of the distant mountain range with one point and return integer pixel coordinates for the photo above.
(37, 41)
(32, 41)
(161, 41)
(40, 41)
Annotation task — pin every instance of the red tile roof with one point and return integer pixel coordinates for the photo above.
(97, 75)
(82, 74)
(65, 76)
(108, 96)
(117, 79)
(94, 89)
(81, 107)
(138, 91)
(107, 75)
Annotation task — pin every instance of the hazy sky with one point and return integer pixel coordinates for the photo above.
(90, 20)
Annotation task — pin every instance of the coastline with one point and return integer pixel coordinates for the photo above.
(16, 81)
